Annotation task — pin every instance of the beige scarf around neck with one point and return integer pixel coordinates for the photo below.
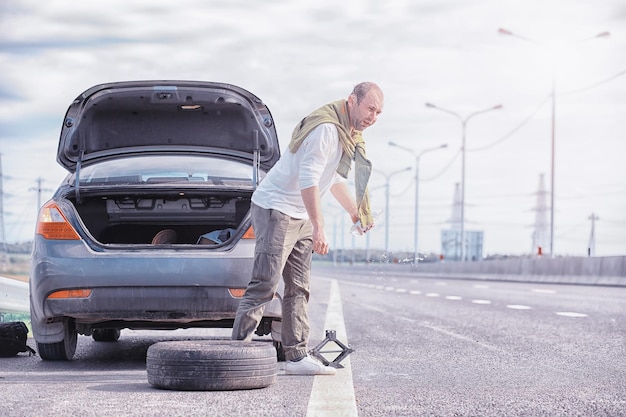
(353, 147)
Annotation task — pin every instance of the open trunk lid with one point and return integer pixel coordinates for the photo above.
(167, 117)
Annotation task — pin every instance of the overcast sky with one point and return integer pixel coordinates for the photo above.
(299, 55)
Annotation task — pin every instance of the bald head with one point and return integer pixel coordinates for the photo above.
(365, 103)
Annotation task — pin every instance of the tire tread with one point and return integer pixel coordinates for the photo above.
(208, 365)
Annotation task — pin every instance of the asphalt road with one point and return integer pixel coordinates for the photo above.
(423, 347)
(469, 348)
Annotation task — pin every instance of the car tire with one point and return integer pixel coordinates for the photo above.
(63, 350)
(106, 335)
(211, 365)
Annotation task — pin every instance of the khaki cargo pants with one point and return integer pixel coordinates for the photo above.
(283, 250)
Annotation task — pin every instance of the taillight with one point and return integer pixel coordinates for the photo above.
(240, 292)
(237, 292)
(249, 234)
(80, 293)
(52, 224)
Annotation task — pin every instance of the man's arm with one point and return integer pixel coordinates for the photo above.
(346, 199)
(343, 195)
(312, 203)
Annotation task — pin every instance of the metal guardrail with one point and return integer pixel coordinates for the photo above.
(14, 296)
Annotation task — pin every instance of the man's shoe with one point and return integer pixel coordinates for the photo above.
(308, 366)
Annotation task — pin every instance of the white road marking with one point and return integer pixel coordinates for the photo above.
(481, 301)
(401, 290)
(415, 292)
(453, 297)
(334, 395)
(437, 329)
(432, 294)
(460, 337)
(570, 314)
(518, 307)
(390, 288)
(542, 291)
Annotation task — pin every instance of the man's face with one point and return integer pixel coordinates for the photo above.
(364, 114)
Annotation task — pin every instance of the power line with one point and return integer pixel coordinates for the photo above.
(579, 90)
(589, 87)
(444, 168)
(621, 222)
(575, 227)
(515, 129)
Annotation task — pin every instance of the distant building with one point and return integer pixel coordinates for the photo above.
(451, 238)
(451, 245)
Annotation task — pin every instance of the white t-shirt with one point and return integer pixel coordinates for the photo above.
(314, 163)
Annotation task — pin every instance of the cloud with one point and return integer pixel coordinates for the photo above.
(9, 94)
(298, 55)
(38, 46)
(30, 127)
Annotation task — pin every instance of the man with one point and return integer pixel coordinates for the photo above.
(288, 222)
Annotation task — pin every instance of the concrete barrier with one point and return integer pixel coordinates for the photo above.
(605, 266)
(610, 271)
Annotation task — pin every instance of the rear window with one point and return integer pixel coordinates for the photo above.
(166, 169)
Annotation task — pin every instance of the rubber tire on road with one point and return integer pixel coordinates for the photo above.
(106, 335)
(63, 350)
(211, 365)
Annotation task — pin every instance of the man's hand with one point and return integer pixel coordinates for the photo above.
(320, 244)
(358, 230)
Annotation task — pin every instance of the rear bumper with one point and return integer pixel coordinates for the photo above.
(167, 304)
(140, 289)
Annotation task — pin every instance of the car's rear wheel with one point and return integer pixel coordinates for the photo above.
(210, 365)
(63, 350)
(106, 335)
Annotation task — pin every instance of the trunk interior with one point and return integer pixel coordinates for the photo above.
(132, 219)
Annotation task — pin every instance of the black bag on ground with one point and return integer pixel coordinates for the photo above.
(13, 337)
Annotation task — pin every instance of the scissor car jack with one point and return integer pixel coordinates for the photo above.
(331, 336)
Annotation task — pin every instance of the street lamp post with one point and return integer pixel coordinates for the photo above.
(387, 180)
(553, 127)
(337, 217)
(417, 164)
(464, 124)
